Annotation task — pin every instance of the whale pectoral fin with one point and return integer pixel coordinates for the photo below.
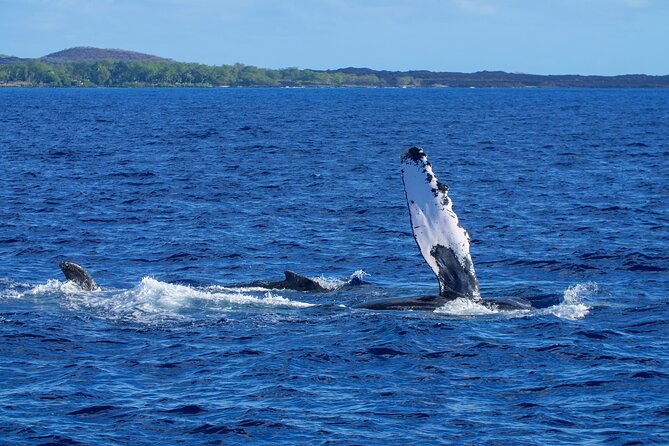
(452, 276)
(443, 243)
(77, 274)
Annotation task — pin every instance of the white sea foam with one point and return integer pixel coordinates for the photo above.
(573, 306)
(217, 289)
(10, 289)
(171, 296)
(465, 307)
(152, 300)
(334, 283)
(330, 283)
(11, 294)
(51, 286)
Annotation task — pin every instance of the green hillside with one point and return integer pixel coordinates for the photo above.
(94, 67)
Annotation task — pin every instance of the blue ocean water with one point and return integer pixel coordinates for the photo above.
(168, 196)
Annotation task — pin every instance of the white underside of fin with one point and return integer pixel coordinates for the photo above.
(432, 218)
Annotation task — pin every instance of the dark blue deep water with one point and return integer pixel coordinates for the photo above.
(167, 196)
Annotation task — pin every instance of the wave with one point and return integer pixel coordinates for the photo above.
(153, 301)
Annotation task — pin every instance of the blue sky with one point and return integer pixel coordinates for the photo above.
(531, 36)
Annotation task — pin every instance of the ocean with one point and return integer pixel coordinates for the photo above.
(170, 197)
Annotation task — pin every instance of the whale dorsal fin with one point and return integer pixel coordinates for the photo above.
(442, 241)
(77, 274)
(301, 283)
(291, 276)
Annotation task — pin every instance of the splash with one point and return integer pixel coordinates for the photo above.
(217, 289)
(51, 286)
(573, 306)
(17, 290)
(171, 296)
(155, 301)
(464, 307)
(333, 283)
(358, 277)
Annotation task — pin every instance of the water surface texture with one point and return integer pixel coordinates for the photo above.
(170, 196)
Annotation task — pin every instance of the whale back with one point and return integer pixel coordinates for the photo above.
(298, 282)
(443, 243)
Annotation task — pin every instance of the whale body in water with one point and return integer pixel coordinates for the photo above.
(293, 281)
(442, 241)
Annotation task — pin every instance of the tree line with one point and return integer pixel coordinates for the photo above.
(163, 74)
(151, 73)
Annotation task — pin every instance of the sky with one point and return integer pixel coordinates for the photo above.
(604, 37)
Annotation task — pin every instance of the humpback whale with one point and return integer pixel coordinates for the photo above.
(442, 241)
(293, 281)
(77, 274)
(298, 282)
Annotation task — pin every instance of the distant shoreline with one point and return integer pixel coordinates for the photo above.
(94, 67)
(312, 87)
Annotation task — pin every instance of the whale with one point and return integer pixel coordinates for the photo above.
(298, 282)
(78, 275)
(441, 240)
(292, 281)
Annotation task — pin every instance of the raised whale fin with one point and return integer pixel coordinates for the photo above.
(443, 243)
(77, 274)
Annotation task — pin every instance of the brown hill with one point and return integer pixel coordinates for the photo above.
(90, 54)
